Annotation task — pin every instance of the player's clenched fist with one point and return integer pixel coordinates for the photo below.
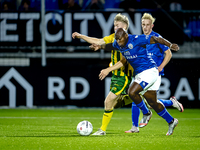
(76, 35)
(174, 47)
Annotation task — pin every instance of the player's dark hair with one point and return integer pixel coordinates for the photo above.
(120, 32)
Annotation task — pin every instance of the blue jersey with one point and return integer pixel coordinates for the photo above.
(136, 53)
(157, 51)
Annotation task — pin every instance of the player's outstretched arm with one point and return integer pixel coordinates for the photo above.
(163, 41)
(107, 47)
(87, 38)
(118, 65)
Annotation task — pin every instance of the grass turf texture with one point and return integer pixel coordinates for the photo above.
(56, 129)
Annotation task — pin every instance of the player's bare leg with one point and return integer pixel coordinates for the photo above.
(110, 101)
(151, 98)
(134, 91)
(109, 104)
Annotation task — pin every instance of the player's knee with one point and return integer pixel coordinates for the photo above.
(156, 105)
(131, 94)
(108, 105)
(160, 105)
(152, 104)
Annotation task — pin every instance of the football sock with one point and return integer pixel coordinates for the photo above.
(135, 114)
(172, 121)
(143, 107)
(165, 115)
(167, 103)
(106, 119)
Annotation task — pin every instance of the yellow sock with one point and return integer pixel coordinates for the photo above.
(106, 119)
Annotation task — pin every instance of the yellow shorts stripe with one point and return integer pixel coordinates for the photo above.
(125, 84)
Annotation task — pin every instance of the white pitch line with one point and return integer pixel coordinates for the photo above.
(84, 118)
(54, 118)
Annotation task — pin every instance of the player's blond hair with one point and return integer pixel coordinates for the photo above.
(148, 16)
(122, 18)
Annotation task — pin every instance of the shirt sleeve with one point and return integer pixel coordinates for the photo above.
(109, 39)
(163, 47)
(143, 39)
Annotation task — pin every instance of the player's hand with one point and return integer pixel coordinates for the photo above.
(160, 68)
(76, 35)
(103, 74)
(95, 47)
(174, 47)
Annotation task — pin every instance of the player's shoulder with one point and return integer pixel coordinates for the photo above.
(132, 36)
(143, 36)
(109, 39)
(155, 34)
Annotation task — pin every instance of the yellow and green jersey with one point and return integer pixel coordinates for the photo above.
(117, 56)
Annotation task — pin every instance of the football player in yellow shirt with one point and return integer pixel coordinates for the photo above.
(121, 78)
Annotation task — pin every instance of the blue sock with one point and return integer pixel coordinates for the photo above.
(135, 114)
(166, 102)
(143, 107)
(164, 114)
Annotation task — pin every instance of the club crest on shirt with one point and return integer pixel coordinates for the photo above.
(147, 36)
(130, 46)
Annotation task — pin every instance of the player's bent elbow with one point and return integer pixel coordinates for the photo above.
(169, 53)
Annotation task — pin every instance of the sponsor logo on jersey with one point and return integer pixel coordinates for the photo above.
(131, 57)
(126, 53)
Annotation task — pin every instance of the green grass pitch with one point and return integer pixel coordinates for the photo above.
(53, 129)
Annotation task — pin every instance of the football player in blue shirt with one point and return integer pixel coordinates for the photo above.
(161, 54)
(133, 48)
